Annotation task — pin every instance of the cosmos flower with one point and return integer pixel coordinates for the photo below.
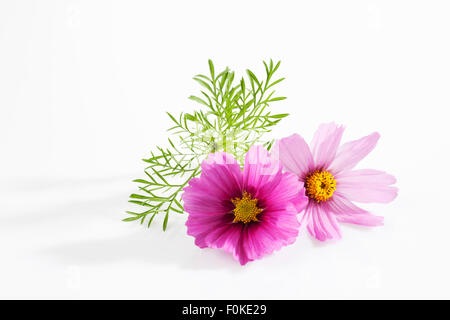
(248, 213)
(331, 184)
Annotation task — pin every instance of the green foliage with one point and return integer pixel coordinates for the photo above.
(234, 117)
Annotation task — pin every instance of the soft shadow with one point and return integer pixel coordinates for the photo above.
(321, 244)
(71, 209)
(105, 208)
(172, 247)
(343, 226)
(47, 200)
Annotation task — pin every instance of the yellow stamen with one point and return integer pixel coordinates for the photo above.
(320, 185)
(245, 208)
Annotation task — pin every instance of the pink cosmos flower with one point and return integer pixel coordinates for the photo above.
(250, 213)
(330, 183)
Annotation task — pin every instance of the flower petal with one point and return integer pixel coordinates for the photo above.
(294, 154)
(282, 224)
(199, 200)
(350, 153)
(206, 199)
(366, 185)
(260, 169)
(221, 179)
(322, 223)
(263, 177)
(300, 201)
(346, 211)
(208, 229)
(275, 230)
(288, 189)
(326, 143)
(222, 173)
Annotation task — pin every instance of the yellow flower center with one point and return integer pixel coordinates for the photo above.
(245, 208)
(320, 185)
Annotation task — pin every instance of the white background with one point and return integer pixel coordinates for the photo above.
(84, 86)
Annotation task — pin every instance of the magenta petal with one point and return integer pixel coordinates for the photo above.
(221, 178)
(282, 224)
(288, 189)
(326, 143)
(294, 154)
(300, 202)
(322, 223)
(264, 177)
(253, 241)
(208, 230)
(278, 229)
(367, 185)
(260, 169)
(206, 199)
(346, 211)
(350, 153)
(221, 173)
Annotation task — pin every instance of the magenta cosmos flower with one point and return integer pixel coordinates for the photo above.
(330, 183)
(248, 213)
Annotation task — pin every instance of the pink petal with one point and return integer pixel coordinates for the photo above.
(196, 200)
(346, 211)
(221, 172)
(326, 143)
(221, 179)
(263, 177)
(322, 223)
(366, 186)
(300, 201)
(294, 154)
(286, 189)
(282, 224)
(226, 236)
(277, 229)
(260, 168)
(207, 230)
(350, 153)
(240, 251)
(232, 238)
